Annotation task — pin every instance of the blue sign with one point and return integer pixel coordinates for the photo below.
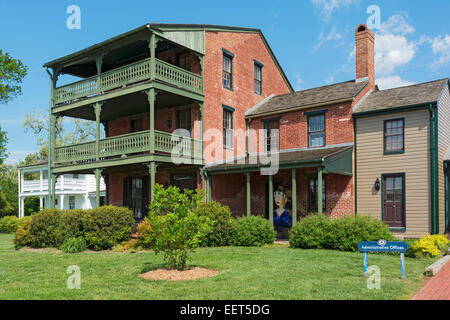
(383, 246)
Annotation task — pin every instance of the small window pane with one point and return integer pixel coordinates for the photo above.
(316, 130)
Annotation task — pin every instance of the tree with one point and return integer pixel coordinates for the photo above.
(9, 195)
(12, 72)
(76, 131)
(3, 142)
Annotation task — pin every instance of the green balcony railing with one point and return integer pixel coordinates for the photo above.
(126, 75)
(128, 144)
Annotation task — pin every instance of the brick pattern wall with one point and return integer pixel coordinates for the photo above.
(246, 48)
(365, 53)
(231, 190)
(294, 128)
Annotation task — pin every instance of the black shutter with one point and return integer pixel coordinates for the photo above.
(145, 195)
(127, 185)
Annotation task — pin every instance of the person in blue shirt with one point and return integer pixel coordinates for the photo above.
(281, 217)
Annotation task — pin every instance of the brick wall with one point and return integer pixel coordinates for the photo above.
(294, 128)
(230, 190)
(246, 47)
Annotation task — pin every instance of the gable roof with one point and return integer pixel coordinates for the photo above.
(161, 28)
(330, 94)
(414, 95)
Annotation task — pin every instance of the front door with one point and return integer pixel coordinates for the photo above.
(394, 200)
(136, 196)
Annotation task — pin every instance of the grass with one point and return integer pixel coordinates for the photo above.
(273, 272)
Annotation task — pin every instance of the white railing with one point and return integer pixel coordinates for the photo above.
(86, 183)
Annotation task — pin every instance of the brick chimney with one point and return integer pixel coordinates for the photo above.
(365, 54)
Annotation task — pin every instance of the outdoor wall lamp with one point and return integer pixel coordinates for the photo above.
(377, 184)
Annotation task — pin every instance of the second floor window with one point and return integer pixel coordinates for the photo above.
(316, 130)
(137, 125)
(227, 73)
(272, 136)
(394, 135)
(184, 120)
(258, 78)
(227, 129)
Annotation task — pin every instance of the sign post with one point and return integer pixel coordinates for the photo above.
(383, 246)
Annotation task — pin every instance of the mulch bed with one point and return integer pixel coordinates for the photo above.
(175, 275)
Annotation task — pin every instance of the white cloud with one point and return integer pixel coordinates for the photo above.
(298, 81)
(329, 80)
(328, 6)
(392, 48)
(441, 47)
(392, 82)
(332, 36)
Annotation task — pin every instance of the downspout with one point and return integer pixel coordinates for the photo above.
(432, 167)
(436, 168)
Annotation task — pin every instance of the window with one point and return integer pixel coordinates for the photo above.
(136, 125)
(76, 176)
(312, 194)
(394, 136)
(227, 73)
(316, 130)
(258, 78)
(228, 127)
(184, 61)
(71, 202)
(272, 135)
(184, 121)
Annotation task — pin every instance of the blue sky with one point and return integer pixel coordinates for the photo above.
(312, 39)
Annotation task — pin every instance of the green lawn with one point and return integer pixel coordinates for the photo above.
(246, 273)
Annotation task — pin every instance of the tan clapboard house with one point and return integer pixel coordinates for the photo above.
(401, 157)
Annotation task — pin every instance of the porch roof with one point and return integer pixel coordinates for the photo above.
(333, 159)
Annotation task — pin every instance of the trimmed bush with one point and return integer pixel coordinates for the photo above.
(311, 232)
(317, 232)
(220, 217)
(9, 224)
(45, 230)
(251, 231)
(144, 235)
(346, 233)
(106, 227)
(22, 237)
(73, 245)
(101, 228)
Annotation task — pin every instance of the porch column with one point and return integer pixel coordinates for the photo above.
(53, 190)
(99, 63)
(294, 197)
(151, 95)
(271, 199)
(41, 180)
(61, 200)
(249, 196)
(41, 203)
(152, 172)
(105, 181)
(152, 46)
(319, 190)
(97, 111)
(202, 126)
(22, 207)
(98, 175)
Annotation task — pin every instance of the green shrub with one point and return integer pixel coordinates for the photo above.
(346, 233)
(74, 245)
(429, 246)
(172, 228)
(220, 217)
(9, 224)
(71, 223)
(251, 231)
(22, 237)
(106, 227)
(311, 232)
(45, 229)
(145, 239)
